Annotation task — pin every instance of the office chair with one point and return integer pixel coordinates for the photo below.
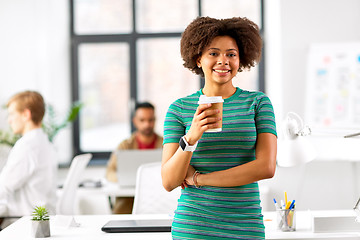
(150, 195)
(66, 202)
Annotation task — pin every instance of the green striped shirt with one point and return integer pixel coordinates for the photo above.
(221, 212)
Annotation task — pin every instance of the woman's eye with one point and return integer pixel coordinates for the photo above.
(213, 54)
(232, 55)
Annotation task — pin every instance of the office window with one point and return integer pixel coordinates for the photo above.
(104, 80)
(129, 51)
(164, 15)
(102, 16)
(233, 8)
(160, 78)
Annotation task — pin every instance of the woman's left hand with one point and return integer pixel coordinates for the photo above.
(189, 177)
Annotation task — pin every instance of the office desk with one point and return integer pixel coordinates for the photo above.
(304, 227)
(90, 228)
(110, 189)
(95, 200)
(107, 189)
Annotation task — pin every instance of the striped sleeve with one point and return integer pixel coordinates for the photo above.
(264, 115)
(174, 127)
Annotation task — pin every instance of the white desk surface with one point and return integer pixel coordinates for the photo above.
(90, 228)
(108, 189)
(304, 227)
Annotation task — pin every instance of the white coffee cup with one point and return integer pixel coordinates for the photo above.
(216, 103)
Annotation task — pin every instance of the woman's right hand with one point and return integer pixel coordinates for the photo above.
(203, 120)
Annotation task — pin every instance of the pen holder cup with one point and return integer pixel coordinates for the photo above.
(286, 220)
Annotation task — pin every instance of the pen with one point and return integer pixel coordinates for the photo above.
(277, 206)
(352, 135)
(282, 204)
(292, 204)
(285, 198)
(288, 205)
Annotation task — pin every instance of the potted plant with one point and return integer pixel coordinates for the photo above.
(40, 223)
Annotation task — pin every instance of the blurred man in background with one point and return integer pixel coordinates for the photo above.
(28, 178)
(143, 138)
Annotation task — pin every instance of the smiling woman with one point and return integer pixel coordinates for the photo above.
(219, 171)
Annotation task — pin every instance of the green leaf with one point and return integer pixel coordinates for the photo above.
(40, 213)
(52, 127)
(74, 111)
(8, 137)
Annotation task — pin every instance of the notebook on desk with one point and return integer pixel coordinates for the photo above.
(128, 161)
(122, 226)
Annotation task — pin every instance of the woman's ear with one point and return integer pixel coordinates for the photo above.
(198, 62)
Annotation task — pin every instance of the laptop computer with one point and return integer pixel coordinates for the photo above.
(143, 225)
(128, 161)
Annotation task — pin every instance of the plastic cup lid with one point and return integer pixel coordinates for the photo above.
(204, 99)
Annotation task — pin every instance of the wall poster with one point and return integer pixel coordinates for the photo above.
(333, 87)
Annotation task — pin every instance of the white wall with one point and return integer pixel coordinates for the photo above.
(306, 22)
(291, 26)
(34, 47)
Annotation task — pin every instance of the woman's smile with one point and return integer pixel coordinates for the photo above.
(222, 71)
